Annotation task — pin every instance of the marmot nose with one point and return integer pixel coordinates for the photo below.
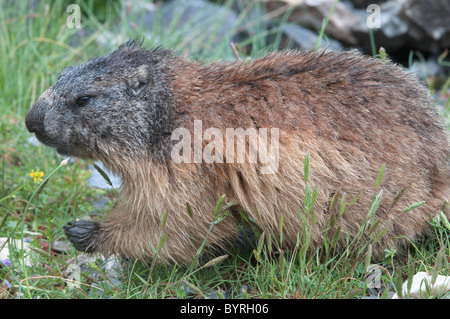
(30, 126)
(32, 123)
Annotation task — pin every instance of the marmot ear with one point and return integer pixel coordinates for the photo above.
(140, 78)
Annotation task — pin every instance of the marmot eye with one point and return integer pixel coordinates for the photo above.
(83, 100)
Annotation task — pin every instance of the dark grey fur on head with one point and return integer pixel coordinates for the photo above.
(117, 104)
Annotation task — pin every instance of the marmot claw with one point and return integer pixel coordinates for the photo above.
(80, 234)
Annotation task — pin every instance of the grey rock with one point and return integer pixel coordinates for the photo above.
(392, 35)
(425, 69)
(362, 4)
(195, 21)
(407, 25)
(299, 37)
(61, 246)
(433, 17)
(311, 13)
(111, 268)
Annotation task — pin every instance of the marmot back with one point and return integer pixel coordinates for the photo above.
(179, 131)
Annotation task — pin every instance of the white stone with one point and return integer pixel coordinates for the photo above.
(422, 288)
(4, 252)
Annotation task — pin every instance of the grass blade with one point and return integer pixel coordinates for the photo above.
(215, 261)
(189, 210)
(218, 208)
(306, 167)
(380, 176)
(103, 174)
(411, 207)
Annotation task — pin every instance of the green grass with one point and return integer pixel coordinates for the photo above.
(36, 46)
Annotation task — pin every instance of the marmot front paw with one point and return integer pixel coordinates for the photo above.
(80, 234)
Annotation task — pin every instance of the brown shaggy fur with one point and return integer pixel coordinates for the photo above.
(351, 113)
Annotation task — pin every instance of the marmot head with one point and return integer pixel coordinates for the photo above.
(117, 104)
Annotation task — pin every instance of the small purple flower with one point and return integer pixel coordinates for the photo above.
(8, 284)
(6, 262)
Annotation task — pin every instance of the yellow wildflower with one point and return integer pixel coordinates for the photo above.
(37, 175)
